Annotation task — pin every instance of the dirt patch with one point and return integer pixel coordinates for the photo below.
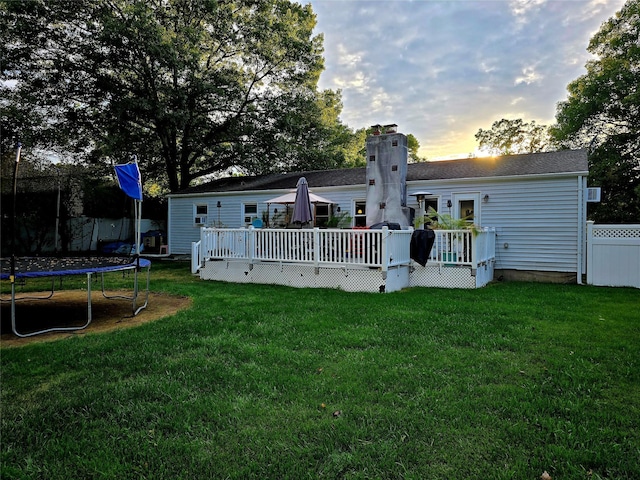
(69, 308)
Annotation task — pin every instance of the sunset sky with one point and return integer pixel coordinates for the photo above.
(443, 69)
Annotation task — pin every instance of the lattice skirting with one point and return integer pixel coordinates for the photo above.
(347, 279)
(443, 276)
(301, 276)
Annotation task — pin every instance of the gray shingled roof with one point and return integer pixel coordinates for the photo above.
(563, 161)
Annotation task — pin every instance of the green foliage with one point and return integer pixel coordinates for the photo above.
(340, 220)
(511, 137)
(413, 145)
(191, 87)
(446, 221)
(507, 381)
(601, 113)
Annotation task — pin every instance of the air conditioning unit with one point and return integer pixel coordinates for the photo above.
(593, 194)
(202, 220)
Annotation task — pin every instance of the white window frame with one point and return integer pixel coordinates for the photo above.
(431, 198)
(200, 219)
(457, 198)
(250, 215)
(323, 218)
(356, 201)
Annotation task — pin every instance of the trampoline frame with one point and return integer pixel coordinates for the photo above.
(136, 265)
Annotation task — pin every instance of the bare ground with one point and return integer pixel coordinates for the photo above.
(69, 308)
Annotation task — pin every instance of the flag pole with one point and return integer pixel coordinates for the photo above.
(13, 213)
(130, 181)
(138, 212)
(12, 275)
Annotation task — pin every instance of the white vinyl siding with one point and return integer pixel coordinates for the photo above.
(540, 218)
(539, 222)
(182, 231)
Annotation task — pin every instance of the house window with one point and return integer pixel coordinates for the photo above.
(430, 204)
(200, 214)
(360, 214)
(467, 206)
(467, 210)
(322, 215)
(250, 213)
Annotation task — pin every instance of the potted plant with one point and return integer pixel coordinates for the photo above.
(445, 221)
(341, 220)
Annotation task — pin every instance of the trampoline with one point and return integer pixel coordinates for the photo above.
(38, 267)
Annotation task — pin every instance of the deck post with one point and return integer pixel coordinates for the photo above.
(474, 250)
(385, 248)
(316, 249)
(251, 244)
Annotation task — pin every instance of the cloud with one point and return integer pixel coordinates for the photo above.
(443, 69)
(354, 81)
(529, 76)
(346, 58)
(522, 9)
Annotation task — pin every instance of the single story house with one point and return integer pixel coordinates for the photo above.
(535, 202)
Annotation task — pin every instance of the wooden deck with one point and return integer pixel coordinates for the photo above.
(349, 259)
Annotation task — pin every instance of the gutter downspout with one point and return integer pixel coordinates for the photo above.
(582, 222)
(169, 222)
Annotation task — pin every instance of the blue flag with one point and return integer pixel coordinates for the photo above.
(129, 180)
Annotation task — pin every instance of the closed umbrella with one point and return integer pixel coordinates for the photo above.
(302, 206)
(290, 199)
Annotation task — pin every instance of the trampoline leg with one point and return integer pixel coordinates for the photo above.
(13, 307)
(136, 291)
(88, 298)
(24, 297)
(135, 295)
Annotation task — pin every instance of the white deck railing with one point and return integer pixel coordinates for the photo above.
(462, 247)
(339, 247)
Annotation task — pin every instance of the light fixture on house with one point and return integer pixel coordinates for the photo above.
(486, 197)
(449, 204)
(219, 206)
(359, 211)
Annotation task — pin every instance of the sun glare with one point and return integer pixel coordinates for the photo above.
(483, 152)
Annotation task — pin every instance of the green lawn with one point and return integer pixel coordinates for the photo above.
(267, 382)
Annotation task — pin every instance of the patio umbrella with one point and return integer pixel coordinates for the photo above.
(302, 206)
(290, 199)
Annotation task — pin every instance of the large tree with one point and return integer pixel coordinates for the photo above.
(510, 137)
(602, 113)
(190, 86)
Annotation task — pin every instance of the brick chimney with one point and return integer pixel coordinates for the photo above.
(387, 155)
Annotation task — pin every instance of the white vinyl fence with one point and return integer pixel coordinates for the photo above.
(613, 255)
